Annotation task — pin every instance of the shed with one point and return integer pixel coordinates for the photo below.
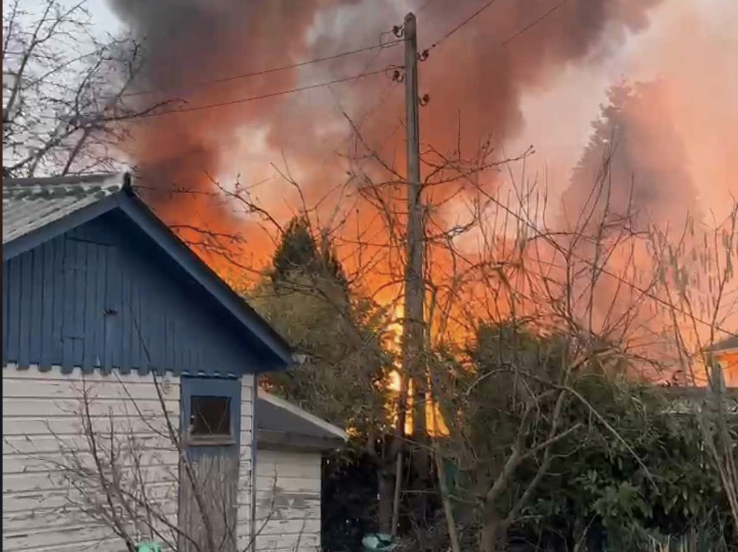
(291, 443)
(129, 372)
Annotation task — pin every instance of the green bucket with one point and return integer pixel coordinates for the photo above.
(149, 546)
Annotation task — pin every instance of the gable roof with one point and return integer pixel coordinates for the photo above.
(282, 424)
(31, 204)
(39, 209)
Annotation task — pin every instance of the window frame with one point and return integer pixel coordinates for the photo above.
(211, 387)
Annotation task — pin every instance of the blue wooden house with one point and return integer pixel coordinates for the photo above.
(120, 343)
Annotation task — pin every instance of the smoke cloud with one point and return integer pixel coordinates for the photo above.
(475, 83)
(676, 145)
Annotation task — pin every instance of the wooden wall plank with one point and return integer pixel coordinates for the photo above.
(92, 322)
(33, 425)
(171, 343)
(53, 388)
(6, 306)
(36, 310)
(125, 317)
(24, 501)
(13, 341)
(47, 316)
(59, 277)
(136, 331)
(80, 300)
(68, 301)
(26, 295)
(102, 257)
(113, 332)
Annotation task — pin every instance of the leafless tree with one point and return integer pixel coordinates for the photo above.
(64, 90)
(605, 282)
(699, 287)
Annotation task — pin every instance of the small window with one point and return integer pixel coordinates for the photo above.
(210, 418)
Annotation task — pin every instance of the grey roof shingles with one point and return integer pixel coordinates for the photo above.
(277, 417)
(273, 418)
(29, 204)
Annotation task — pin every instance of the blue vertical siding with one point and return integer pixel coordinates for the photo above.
(47, 316)
(68, 295)
(6, 306)
(102, 297)
(37, 313)
(12, 328)
(26, 297)
(55, 299)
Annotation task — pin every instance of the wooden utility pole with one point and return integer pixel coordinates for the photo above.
(413, 323)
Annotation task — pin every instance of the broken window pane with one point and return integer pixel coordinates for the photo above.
(210, 416)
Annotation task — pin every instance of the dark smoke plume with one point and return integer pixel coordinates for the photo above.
(473, 80)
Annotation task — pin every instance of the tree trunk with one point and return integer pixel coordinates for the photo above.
(421, 481)
(386, 487)
(494, 535)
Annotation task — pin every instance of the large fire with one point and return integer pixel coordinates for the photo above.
(318, 150)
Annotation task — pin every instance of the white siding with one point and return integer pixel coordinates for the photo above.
(244, 471)
(42, 424)
(288, 500)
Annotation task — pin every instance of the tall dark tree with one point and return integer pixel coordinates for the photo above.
(635, 161)
(298, 252)
(343, 375)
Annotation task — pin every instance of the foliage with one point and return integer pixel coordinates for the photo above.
(339, 340)
(492, 395)
(343, 374)
(339, 336)
(661, 483)
(629, 473)
(297, 251)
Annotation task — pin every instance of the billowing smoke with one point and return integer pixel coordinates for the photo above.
(675, 140)
(673, 143)
(187, 43)
(475, 82)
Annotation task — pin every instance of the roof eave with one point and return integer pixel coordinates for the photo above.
(283, 440)
(727, 345)
(328, 427)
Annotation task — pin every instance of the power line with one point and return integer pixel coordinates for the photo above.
(603, 270)
(253, 98)
(506, 41)
(422, 8)
(265, 71)
(368, 113)
(362, 119)
(534, 23)
(459, 26)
